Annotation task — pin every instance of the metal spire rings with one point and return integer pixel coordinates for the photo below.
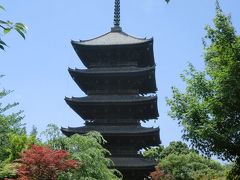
(116, 21)
(117, 13)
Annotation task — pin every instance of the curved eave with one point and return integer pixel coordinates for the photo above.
(110, 99)
(79, 45)
(115, 80)
(113, 130)
(112, 39)
(128, 135)
(110, 71)
(115, 107)
(134, 168)
(133, 163)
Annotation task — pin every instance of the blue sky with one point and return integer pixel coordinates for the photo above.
(36, 68)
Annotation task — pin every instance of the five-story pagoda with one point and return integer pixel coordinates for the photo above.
(119, 77)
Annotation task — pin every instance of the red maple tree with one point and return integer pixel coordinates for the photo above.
(160, 175)
(43, 163)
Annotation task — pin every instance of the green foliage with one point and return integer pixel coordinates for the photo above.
(9, 124)
(87, 150)
(182, 163)
(7, 26)
(209, 109)
(8, 170)
(13, 138)
(154, 152)
(17, 144)
(159, 152)
(233, 171)
(191, 166)
(176, 147)
(54, 137)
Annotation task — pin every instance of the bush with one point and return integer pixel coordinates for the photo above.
(43, 163)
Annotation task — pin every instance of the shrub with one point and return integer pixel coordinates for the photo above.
(43, 163)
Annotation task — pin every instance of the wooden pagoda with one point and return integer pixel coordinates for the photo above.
(119, 81)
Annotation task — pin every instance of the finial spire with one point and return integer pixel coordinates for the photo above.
(116, 21)
(117, 13)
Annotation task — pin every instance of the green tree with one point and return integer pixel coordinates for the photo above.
(182, 163)
(13, 138)
(159, 152)
(176, 147)
(6, 26)
(191, 166)
(9, 123)
(17, 143)
(209, 108)
(87, 150)
(9, 171)
(154, 152)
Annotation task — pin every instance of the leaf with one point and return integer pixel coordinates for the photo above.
(6, 31)
(9, 23)
(20, 32)
(3, 43)
(167, 1)
(2, 8)
(1, 47)
(3, 22)
(21, 27)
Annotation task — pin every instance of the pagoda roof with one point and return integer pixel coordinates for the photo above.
(134, 136)
(112, 38)
(111, 99)
(134, 168)
(95, 107)
(109, 55)
(113, 130)
(121, 80)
